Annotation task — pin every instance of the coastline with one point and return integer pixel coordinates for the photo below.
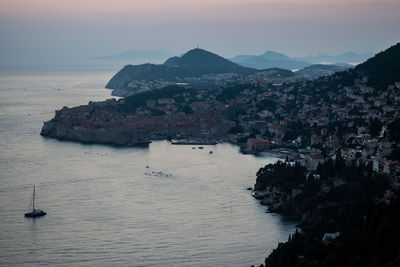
(341, 163)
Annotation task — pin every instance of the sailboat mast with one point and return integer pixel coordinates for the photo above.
(33, 204)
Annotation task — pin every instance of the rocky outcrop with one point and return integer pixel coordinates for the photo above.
(106, 123)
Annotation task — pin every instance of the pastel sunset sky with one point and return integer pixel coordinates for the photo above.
(76, 29)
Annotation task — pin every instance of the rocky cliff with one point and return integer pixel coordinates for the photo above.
(119, 137)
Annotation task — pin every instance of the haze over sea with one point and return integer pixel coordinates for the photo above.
(104, 206)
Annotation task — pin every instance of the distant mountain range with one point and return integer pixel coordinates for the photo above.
(349, 58)
(317, 70)
(138, 55)
(271, 59)
(199, 68)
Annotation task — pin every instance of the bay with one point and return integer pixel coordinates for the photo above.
(163, 205)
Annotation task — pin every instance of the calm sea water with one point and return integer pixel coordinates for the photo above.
(105, 207)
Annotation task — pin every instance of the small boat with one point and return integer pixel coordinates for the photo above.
(35, 212)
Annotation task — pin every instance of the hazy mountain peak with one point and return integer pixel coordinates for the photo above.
(348, 57)
(201, 58)
(272, 55)
(198, 52)
(269, 59)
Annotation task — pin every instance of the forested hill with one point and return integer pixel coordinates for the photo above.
(197, 67)
(383, 69)
(206, 62)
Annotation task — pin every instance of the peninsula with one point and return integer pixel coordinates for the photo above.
(172, 112)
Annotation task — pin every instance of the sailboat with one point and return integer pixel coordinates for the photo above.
(34, 212)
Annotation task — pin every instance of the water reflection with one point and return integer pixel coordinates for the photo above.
(103, 207)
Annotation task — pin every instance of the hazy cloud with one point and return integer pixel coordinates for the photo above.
(50, 29)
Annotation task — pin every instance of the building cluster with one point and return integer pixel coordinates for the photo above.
(314, 118)
(209, 80)
(157, 118)
(324, 117)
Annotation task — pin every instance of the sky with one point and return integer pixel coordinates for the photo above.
(63, 30)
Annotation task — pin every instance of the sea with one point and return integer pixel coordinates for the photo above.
(162, 205)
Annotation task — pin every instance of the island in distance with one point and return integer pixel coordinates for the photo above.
(271, 59)
(202, 69)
